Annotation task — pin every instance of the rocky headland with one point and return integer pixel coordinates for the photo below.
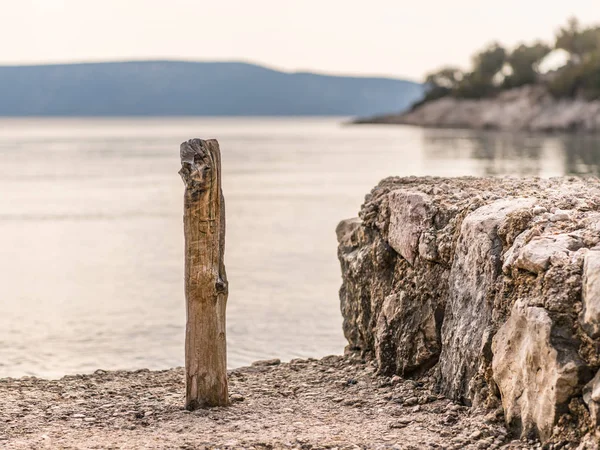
(530, 108)
(489, 286)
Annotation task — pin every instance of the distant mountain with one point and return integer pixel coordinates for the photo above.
(157, 88)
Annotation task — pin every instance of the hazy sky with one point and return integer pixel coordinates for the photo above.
(379, 37)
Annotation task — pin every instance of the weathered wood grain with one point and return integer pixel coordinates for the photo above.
(206, 286)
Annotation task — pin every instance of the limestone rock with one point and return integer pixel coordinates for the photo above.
(407, 332)
(367, 263)
(513, 253)
(535, 367)
(477, 263)
(590, 317)
(535, 256)
(345, 232)
(410, 215)
(591, 397)
(471, 282)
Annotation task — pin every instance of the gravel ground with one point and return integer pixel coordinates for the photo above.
(335, 402)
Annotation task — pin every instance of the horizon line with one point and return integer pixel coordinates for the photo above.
(207, 61)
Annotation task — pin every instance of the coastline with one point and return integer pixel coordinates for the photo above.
(457, 291)
(530, 109)
(334, 402)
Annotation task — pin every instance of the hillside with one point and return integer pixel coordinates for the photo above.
(168, 88)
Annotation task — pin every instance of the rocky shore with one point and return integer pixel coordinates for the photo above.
(489, 286)
(530, 108)
(336, 402)
(472, 311)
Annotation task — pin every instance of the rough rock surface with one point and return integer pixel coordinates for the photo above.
(481, 283)
(591, 397)
(469, 305)
(590, 316)
(529, 108)
(526, 341)
(336, 402)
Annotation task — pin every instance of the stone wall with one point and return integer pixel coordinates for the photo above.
(492, 286)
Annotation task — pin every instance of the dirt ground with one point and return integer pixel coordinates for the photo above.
(336, 402)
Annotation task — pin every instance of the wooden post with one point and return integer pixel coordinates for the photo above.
(206, 285)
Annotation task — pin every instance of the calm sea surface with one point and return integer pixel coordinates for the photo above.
(91, 238)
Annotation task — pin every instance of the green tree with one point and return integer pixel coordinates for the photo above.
(577, 41)
(524, 62)
(578, 80)
(488, 62)
(590, 84)
(475, 85)
(441, 83)
(567, 36)
(480, 81)
(447, 77)
(580, 77)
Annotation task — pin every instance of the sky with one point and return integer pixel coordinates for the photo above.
(395, 38)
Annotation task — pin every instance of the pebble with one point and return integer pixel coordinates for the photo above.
(424, 399)
(411, 401)
(475, 435)
(236, 398)
(450, 419)
(559, 215)
(410, 384)
(267, 362)
(78, 416)
(3, 438)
